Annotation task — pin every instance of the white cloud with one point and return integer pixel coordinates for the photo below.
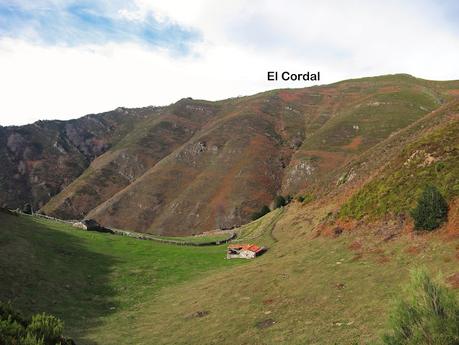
(241, 41)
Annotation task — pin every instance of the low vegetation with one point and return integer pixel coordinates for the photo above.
(432, 160)
(306, 198)
(279, 201)
(41, 329)
(427, 314)
(264, 210)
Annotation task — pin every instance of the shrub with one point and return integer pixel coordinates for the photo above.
(431, 210)
(279, 201)
(305, 198)
(428, 315)
(46, 327)
(264, 210)
(43, 329)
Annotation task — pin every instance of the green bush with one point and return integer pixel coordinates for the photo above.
(46, 327)
(431, 210)
(264, 210)
(43, 329)
(279, 201)
(428, 315)
(305, 198)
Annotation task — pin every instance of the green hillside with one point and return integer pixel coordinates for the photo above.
(304, 290)
(89, 278)
(431, 160)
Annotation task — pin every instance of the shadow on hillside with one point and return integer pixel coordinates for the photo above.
(47, 270)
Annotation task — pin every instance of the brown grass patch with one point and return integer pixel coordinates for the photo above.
(268, 301)
(355, 246)
(414, 250)
(289, 96)
(452, 227)
(453, 280)
(327, 160)
(383, 259)
(354, 144)
(389, 89)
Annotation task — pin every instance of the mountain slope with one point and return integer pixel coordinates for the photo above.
(148, 142)
(41, 159)
(432, 159)
(218, 181)
(198, 165)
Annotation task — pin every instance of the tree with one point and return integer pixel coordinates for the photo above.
(428, 315)
(431, 210)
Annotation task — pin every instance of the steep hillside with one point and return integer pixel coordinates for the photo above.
(374, 110)
(432, 159)
(198, 165)
(41, 159)
(144, 145)
(253, 148)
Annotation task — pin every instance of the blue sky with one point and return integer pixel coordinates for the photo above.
(64, 58)
(74, 23)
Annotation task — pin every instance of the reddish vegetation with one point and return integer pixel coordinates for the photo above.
(453, 280)
(452, 227)
(268, 301)
(355, 246)
(290, 95)
(382, 259)
(414, 250)
(390, 89)
(327, 160)
(196, 165)
(354, 144)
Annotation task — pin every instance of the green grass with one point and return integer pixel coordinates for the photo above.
(196, 239)
(117, 290)
(377, 118)
(87, 278)
(295, 285)
(398, 188)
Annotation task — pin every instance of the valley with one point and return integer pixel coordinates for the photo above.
(308, 287)
(325, 177)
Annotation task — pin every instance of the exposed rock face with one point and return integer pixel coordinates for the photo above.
(196, 165)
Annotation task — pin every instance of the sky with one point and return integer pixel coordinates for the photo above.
(62, 59)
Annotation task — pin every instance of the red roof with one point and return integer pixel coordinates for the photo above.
(251, 247)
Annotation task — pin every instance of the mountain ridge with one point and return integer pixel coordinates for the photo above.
(199, 165)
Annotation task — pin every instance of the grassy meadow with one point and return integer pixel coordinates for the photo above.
(306, 289)
(89, 279)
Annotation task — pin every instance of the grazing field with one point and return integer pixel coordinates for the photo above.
(306, 289)
(89, 279)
